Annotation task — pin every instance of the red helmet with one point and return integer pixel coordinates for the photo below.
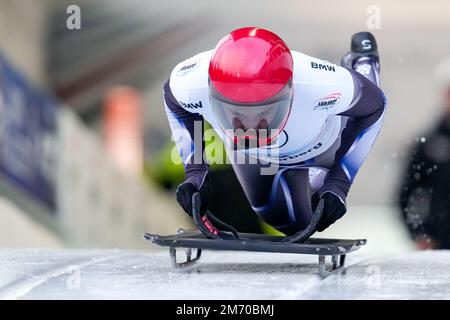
(250, 85)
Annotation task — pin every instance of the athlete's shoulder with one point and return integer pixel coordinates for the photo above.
(190, 76)
(329, 86)
(311, 70)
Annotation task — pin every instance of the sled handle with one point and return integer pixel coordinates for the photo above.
(203, 223)
(301, 236)
(210, 231)
(222, 224)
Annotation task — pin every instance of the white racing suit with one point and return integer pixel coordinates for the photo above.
(335, 118)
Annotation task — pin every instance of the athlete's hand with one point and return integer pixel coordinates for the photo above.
(187, 189)
(333, 209)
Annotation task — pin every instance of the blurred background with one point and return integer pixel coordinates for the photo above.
(85, 144)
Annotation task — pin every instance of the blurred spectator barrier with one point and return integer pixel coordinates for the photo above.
(28, 132)
(50, 159)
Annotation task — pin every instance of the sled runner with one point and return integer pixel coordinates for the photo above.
(210, 238)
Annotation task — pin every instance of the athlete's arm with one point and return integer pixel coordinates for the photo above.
(365, 118)
(187, 131)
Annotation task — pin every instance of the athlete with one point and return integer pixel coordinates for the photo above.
(308, 122)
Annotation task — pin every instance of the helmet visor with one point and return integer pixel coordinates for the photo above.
(261, 121)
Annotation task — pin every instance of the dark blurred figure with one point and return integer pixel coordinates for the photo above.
(425, 192)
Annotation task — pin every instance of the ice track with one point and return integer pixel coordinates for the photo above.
(114, 274)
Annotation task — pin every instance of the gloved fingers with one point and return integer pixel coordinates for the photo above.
(184, 196)
(324, 223)
(331, 213)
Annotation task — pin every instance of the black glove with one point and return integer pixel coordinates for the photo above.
(187, 189)
(333, 209)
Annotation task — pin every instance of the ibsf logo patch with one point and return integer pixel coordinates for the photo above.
(328, 102)
(186, 69)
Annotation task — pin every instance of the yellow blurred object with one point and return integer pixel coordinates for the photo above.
(268, 229)
(166, 168)
(162, 170)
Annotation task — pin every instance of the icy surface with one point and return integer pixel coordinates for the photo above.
(109, 274)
